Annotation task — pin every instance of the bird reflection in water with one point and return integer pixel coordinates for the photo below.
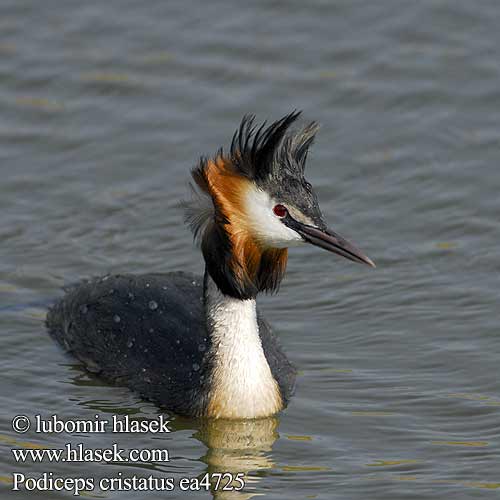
(233, 446)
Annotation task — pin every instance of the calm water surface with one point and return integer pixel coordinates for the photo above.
(105, 106)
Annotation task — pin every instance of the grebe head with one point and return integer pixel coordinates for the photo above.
(261, 204)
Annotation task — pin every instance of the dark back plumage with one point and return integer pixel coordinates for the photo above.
(148, 332)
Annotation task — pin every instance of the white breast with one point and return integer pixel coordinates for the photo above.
(242, 382)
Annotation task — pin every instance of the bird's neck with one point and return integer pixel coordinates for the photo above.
(242, 385)
(238, 262)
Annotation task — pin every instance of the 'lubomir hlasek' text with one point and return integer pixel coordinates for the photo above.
(117, 424)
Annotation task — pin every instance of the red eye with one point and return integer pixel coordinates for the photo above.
(280, 210)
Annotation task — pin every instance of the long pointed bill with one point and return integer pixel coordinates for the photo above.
(333, 242)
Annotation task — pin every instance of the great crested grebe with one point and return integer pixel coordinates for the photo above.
(198, 346)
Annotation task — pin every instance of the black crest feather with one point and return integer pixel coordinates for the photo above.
(264, 152)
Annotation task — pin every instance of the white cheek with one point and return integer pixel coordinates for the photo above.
(265, 225)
